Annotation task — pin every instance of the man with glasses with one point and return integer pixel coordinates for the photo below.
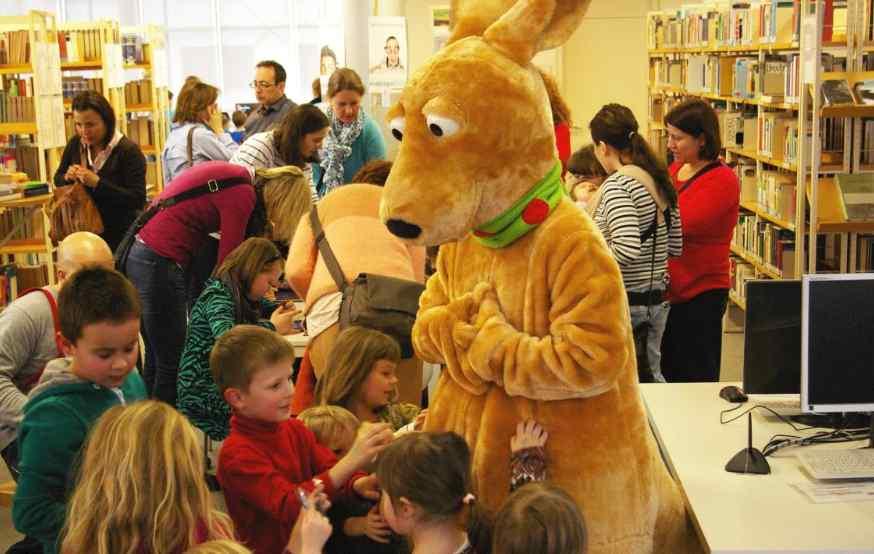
(269, 85)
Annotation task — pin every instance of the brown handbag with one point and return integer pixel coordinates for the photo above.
(72, 210)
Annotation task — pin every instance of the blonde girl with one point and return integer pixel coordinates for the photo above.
(361, 377)
(140, 486)
(287, 196)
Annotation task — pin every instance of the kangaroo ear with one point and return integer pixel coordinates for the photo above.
(531, 26)
(471, 18)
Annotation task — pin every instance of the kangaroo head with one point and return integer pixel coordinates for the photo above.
(474, 123)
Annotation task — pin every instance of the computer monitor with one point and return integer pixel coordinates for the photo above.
(772, 337)
(837, 343)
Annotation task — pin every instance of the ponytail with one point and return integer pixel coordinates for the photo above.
(643, 157)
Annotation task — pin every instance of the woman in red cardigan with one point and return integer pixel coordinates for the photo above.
(699, 279)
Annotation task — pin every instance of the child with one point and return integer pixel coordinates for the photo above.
(268, 457)
(361, 528)
(100, 324)
(141, 487)
(425, 480)
(539, 517)
(361, 378)
(234, 295)
(586, 176)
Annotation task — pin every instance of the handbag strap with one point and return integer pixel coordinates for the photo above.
(190, 146)
(55, 319)
(211, 186)
(327, 254)
(700, 172)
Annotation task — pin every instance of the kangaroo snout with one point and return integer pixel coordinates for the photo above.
(402, 229)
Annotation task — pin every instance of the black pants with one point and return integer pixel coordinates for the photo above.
(692, 343)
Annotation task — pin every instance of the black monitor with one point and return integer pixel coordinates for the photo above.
(772, 337)
(837, 341)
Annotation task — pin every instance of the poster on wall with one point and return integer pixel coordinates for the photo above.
(439, 26)
(388, 52)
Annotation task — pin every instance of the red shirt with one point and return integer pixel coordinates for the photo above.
(708, 213)
(178, 231)
(563, 144)
(261, 465)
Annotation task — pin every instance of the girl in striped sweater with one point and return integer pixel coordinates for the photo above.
(636, 210)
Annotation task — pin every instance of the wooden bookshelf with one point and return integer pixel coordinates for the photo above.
(764, 159)
(18, 128)
(757, 209)
(737, 300)
(755, 261)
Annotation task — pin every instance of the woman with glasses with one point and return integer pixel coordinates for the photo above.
(709, 195)
(353, 139)
(197, 134)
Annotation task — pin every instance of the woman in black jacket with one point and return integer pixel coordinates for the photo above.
(110, 166)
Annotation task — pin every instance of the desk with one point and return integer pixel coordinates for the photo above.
(747, 513)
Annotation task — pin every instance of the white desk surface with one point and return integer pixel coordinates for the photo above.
(299, 342)
(741, 512)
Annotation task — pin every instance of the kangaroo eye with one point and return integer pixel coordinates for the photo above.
(441, 127)
(397, 128)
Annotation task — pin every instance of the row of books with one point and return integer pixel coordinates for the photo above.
(80, 46)
(139, 130)
(132, 49)
(27, 189)
(742, 77)
(138, 92)
(73, 85)
(14, 48)
(867, 153)
(777, 130)
(16, 99)
(29, 223)
(741, 23)
(767, 243)
(18, 155)
(773, 191)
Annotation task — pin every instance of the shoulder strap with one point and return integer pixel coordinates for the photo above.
(190, 146)
(55, 319)
(210, 186)
(700, 172)
(327, 254)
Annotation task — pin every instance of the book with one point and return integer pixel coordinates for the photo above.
(864, 91)
(836, 92)
(857, 195)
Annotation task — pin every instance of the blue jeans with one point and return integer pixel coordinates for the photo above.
(658, 318)
(162, 287)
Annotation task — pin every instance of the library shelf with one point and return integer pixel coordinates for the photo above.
(760, 211)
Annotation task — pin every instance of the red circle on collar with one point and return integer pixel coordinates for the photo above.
(535, 212)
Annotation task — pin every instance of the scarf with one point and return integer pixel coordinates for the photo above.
(96, 164)
(338, 147)
(527, 213)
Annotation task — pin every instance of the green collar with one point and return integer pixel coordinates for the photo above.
(527, 213)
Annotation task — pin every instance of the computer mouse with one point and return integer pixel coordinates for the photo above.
(733, 394)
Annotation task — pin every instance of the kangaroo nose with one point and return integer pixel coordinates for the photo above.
(401, 228)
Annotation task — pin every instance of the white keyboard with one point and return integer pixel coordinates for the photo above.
(856, 463)
(784, 404)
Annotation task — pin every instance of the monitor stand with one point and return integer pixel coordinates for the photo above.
(832, 421)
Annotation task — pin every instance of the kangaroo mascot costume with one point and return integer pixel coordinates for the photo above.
(527, 309)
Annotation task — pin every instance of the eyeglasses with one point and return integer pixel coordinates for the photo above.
(261, 84)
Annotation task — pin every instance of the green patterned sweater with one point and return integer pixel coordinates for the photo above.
(198, 396)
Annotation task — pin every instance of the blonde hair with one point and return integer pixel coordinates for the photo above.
(243, 351)
(219, 547)
(352, 357)
(140, 486)
(329, 423)
(287, 198)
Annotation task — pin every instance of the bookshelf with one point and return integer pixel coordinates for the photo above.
(31, 136)
(145, 64)
(762, 65)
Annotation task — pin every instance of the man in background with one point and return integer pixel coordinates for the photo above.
(269, 85)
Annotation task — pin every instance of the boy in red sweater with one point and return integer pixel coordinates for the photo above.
(268, 456)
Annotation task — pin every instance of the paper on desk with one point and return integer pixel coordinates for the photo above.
(822, 493)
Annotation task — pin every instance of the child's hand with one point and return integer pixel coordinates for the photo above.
(370, 440)
(528, 435)
(420, 420)
(367, 487)
(312, 528)
(283, 318)
(375, 526)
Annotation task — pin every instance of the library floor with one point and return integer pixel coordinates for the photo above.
(732, 363)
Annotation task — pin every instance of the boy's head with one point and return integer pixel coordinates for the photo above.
(99, 313)
(252, 367)
(539, 517)
(333, 426)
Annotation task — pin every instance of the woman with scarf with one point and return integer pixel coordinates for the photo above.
(354, 138)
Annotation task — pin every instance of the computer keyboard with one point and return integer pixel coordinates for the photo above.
(857, 463)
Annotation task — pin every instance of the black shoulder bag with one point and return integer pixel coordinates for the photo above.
(387, 304)
(211, 186)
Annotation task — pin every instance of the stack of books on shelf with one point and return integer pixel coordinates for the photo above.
(137, 93)
(139, 130)
(746, 76)
(772, 246)
(773, 127)
(731, 125)
(73, 85)
(16, 99)
(27, 189)
(80, 46)
(740, 271)
(17, 154)
(14, 48)
(775, 194)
